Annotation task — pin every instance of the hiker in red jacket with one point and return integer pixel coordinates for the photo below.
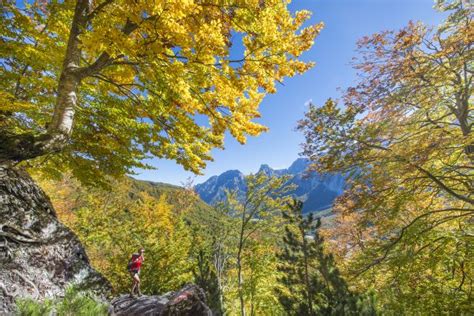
(134, 267)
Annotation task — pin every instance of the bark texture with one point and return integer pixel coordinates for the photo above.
(39, 256)
(190, 300)
(30, 145)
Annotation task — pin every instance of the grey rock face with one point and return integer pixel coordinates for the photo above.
(39, 256)
(213, 190)
(190, 300)
(318, 191)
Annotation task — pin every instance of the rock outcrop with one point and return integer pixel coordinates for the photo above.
(190, 300)
(39, 256)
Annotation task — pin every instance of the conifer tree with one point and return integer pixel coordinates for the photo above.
(311, 283)
(206, 278)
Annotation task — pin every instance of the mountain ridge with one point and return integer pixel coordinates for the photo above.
(318, 191)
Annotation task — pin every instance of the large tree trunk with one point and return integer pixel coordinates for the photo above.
(17, 148)
(39, 256)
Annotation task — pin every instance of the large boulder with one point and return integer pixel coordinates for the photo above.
(190, 300)
(39, 256)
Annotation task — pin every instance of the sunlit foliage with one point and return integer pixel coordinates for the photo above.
(404, 136)
(108, 83)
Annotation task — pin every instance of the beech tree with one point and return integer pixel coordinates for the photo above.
(404, 132)
(104, 84)
(255, 214)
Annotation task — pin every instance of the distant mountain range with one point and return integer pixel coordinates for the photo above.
(316, 190)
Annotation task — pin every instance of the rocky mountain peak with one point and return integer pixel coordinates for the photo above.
(299, 166)
(318, 191)
(266, 169)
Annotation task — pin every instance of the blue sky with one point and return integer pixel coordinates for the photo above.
(345, 22)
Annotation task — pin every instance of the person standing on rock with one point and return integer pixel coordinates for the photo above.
(134, 267)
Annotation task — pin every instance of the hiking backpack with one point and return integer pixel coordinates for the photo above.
(130, 262)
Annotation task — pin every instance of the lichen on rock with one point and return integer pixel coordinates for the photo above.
(39, 256)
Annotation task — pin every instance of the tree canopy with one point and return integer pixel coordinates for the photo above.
(405, 138)
(108, 83)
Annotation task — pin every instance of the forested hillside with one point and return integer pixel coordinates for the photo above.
(114, 222)
(185, 239)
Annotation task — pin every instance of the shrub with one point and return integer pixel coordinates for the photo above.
(74, 303)
(30, 307)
